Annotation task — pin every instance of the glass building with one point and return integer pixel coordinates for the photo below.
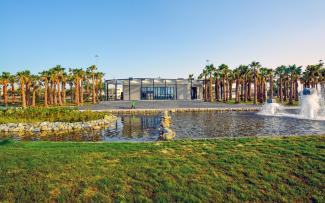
(153, 89)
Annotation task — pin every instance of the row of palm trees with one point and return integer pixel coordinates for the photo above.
(51, 86)
(218, 82)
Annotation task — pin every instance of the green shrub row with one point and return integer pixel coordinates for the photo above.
(53, 114)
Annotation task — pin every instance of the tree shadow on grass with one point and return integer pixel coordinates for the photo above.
(6, 142)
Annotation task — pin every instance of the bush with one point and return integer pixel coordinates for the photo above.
(53, 114)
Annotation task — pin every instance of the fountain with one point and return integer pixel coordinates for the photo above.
(271, 107)
(311, 106)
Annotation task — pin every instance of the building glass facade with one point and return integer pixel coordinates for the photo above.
(157, 93)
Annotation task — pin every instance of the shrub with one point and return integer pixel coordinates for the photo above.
(53, 114)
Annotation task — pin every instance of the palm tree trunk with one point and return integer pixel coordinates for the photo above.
(87, 88)
(81, 93)
(23, 96)
(45, 93)
(217, 89)
(291, 91)
(264, 91)
(223, 90)
(211, 88)
(71, 91)
(34, 98)
(230, 90)
(13, 96)
(101, 89)
(271, 88)
(59, 92)
(94, 91)
(237, 91)
(285, 91)
(249, 91)
(76, 91)
(281, 90)
(54, 93)
(63, 92)
(27, 94)
(296, 91)
(255, 89)
(241, 91)
(245, 89)
(5, 94)
(226, 89)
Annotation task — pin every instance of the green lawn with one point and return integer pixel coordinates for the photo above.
(247, 169)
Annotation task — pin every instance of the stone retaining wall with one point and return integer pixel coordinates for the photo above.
(57, 126)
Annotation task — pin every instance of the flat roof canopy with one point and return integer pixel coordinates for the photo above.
(151, 80)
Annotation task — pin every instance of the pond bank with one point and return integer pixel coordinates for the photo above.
(36, 127)
(246, 169)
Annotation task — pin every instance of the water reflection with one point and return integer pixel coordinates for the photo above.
(234, 124)
(188, 126)
(126, 128)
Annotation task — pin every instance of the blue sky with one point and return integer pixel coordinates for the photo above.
(166, 38)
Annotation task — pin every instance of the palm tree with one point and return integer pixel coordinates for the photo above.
(99, 81)
(12, 81)
(77, 77)
(64, 79)
(231, 79)
(244, 71)
(216, 76)
(5, 80)
(93, 69)
(270, 74)
(23, 76)
(71, 81)
(210, 69)
(236, 74)
(224, 70)
(296, 75)
(59, 71)
(88, 76)
(52, 86)
(34, 80)
(44, 76)
(255, 66)
(82, 75)
(264, 73)
(280, 71)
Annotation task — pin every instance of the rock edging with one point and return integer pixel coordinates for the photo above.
(57, 126)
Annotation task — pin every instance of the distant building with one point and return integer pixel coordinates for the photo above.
(153, 89)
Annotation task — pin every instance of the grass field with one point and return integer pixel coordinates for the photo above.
(248, 169)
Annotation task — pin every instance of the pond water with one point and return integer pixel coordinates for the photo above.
(195, 125)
